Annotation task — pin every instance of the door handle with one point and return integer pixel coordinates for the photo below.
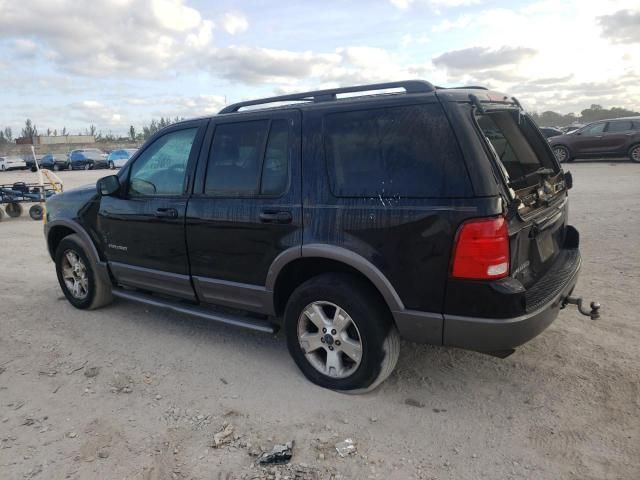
(275, 217)
(167, 213)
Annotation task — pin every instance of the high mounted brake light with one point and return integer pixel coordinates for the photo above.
(481, 250)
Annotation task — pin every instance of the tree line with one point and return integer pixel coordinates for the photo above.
(30, 130)
(591, 114)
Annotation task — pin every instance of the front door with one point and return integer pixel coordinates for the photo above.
(142, 228)
(246, 207)
(588, 141)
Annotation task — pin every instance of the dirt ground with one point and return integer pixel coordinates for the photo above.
(129, 392)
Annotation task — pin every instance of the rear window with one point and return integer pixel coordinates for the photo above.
(393, 152)
(619, 126)
(517, 145)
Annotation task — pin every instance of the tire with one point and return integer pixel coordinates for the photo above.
(93, 292)
(562, 154)
(36, 212)
(634, 153)
(367, 323)
(56, 167)
(3, 168)
(112, 166)
(14, 209)
(87, 166)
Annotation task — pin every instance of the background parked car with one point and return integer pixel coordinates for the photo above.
(87, 159)
(572, 128)
(549, 132)
(118, 158)
(605, 138)
(55, 161)
(12, 163)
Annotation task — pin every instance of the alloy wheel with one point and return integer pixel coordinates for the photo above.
(635, 154)
(74, 274)
(561, 154)
(330, 339)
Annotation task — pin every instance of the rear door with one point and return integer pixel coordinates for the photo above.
(538, 202)
(246, 207)
(617, 135)
(142, 229)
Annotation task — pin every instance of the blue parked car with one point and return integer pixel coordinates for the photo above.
(54, 161)
(87, 159)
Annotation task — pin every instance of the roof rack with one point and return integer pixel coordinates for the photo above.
(466, 87)
(410, 86)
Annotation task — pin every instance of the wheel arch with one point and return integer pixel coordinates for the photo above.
(296, 265)
(59, 229)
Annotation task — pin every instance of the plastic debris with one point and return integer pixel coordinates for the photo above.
(223, 436)
(279, 455)
(346, 447)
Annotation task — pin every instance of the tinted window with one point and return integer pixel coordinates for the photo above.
(593, 129)
(275, 171)
(160, 170)
(619, 126)
(236, 155)
(399, 151)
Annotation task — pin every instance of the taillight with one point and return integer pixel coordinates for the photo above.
(481, 251)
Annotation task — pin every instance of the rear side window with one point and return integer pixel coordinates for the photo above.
(619, 127)
(393, 152)
(249, 158)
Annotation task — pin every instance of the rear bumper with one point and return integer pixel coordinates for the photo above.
(494, 334)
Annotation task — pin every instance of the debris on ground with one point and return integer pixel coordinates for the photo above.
(121, 383)
(346, 447)
(223, 436)
(91, 372)
(279, 455)
(414, 403)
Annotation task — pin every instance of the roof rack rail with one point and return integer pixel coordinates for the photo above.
(410, 86)
(469, 87)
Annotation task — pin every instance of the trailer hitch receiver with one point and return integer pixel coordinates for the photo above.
(594, 313)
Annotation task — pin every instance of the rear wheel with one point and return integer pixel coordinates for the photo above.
(112, 165)
(77, 276)
(634, 153)
(562, 154)
(56, 167)
(340, 333)
(87, 166)
(14, 209)
(36, 212)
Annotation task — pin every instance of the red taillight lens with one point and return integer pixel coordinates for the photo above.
(481, 251)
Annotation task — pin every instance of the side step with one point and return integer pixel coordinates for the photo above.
(225, 318)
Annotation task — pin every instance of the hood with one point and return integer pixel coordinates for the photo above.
(70, 203)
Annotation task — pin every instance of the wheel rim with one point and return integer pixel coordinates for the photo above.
(330, 339)
(56, 168)
(74, 274)
(87, 166)
(560, 153)
(635, 154)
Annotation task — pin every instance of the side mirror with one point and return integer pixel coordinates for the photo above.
(108, 186)
(568, 180)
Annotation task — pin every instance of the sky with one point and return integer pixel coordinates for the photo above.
(115, 63)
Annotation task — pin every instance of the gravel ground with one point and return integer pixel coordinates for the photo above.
(137, 393)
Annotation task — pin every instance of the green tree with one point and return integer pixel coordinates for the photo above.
(8, 134)
(29, 130)
(132, 133)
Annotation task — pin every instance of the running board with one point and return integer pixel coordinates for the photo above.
(224, 318)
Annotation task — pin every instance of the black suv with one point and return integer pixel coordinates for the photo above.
(437, 215)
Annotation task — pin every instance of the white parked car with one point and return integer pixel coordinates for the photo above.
(118, 158)
(9, 163)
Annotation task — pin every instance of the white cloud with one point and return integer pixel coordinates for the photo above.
(234, 22)
(406, 4)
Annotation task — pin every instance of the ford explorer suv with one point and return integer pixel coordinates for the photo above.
(348, 217)
(607, 138)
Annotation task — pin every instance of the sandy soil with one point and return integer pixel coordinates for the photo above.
(564, 406)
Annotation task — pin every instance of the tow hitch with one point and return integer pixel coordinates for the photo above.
(594, 313)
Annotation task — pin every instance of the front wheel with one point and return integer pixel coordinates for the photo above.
(634, 153)
(56, 167)
(77, 276)
(36, 212)
(87, 166)
(562, 154)
(340, 333)
(112, 166)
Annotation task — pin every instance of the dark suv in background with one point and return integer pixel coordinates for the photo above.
(606, 138)
(438, 215)
(55, 161)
